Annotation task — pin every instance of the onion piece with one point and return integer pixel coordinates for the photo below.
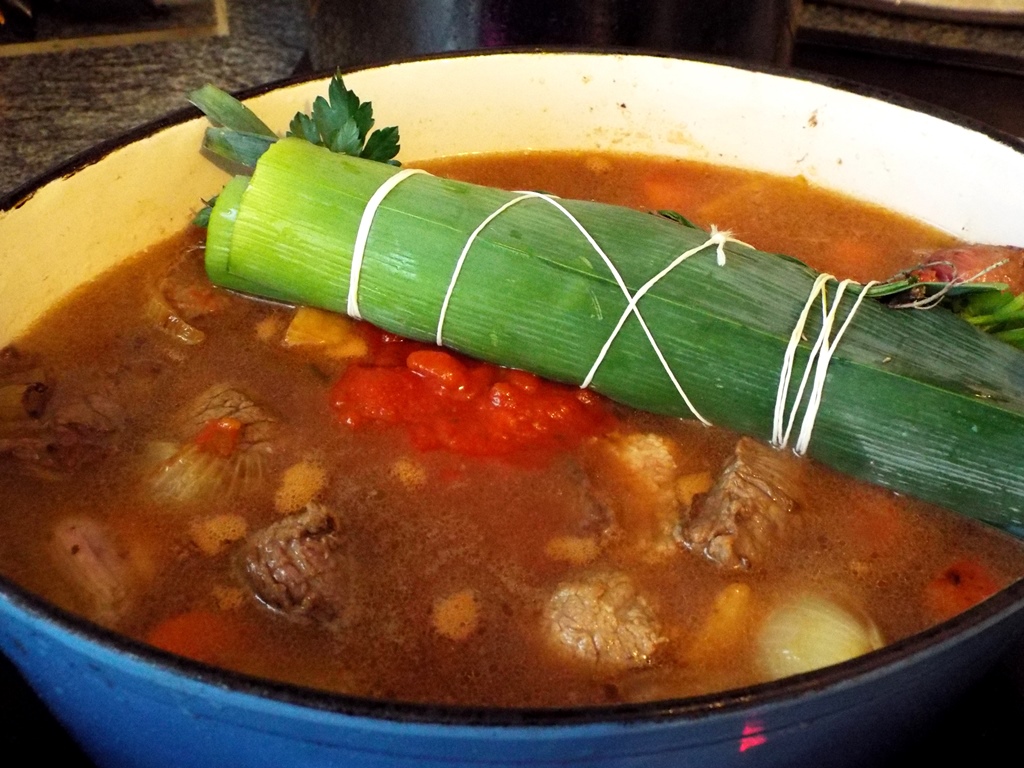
(194, 474)
(170, 323)
(811, 631)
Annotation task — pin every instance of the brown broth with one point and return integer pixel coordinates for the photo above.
(472, 524)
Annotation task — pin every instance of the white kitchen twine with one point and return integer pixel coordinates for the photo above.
(818, 360)
(363, 233)
(716, 238)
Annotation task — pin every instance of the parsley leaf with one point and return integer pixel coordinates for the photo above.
(382, 146)
(342, 123)
(303, 127)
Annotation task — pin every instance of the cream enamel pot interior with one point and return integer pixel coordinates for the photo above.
(130, 705)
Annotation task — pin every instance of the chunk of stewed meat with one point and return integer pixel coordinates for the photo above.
(634, 477)
(748, 508)
(102, 574)
(602, 619)
(67, 421)
(298, 566)
(70, 432)
(93, 413)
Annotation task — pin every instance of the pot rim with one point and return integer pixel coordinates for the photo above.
(23, 192)
(997, 608)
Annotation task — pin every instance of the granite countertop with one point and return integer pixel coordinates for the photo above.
(53, 106)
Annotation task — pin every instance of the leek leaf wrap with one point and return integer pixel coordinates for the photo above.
(920, 402)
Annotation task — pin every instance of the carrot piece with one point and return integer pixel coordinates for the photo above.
(963, 584)
(219, 436)
(198, 634)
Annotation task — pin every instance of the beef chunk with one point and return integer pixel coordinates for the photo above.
(602, 619)
(102, 574)
(748, 508)
(298, 566)
(95, 414)
(75, 432)
(48, 426)
(192, 300)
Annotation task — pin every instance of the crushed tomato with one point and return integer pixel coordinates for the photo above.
(446, 401)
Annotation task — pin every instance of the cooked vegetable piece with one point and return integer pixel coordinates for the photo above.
(224, 454)
(812, 631)
(332, 334)
(191, 474)
(168, 322)
(200, 634)
(725, 629)
(445, 401)
(219, 436)
(962, 585)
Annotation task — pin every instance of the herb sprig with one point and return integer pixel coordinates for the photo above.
(341, 123)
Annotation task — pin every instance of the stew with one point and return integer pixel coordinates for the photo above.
(294, 495)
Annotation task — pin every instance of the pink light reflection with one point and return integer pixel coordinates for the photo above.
(752, 735)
